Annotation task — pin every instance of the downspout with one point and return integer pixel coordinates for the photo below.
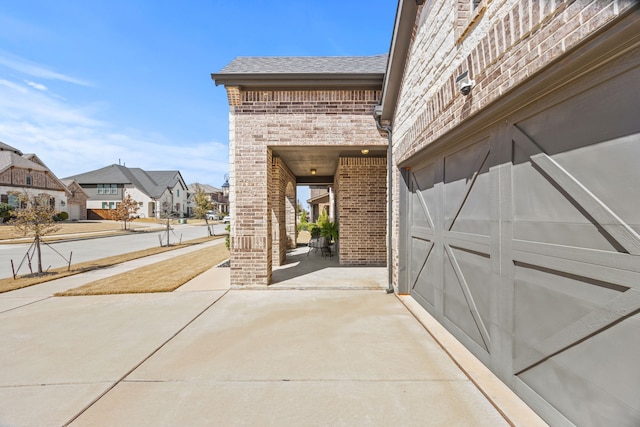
(377, 114)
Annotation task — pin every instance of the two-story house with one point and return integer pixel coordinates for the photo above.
(26, 172)
(158, 193)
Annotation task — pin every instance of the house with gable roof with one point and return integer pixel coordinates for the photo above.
(26, 172)
(216, 196)
(158, 193)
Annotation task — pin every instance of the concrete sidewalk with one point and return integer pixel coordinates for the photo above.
(205, 355)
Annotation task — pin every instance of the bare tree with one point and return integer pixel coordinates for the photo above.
(34, 218)
(126, 210)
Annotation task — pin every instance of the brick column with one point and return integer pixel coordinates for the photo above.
(251, 258)
(283, 215)
(362, 211)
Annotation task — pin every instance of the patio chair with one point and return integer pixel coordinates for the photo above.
(321, 243)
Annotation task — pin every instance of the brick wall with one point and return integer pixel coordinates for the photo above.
(283, 215)
(501, 46)
(362, 210)
(260, 120)
(317, 190)
(39, 179)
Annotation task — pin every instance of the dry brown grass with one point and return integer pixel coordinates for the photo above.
(159, 277)
(9, 284)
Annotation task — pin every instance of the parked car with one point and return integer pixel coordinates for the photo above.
(226, 219)
(212, 216)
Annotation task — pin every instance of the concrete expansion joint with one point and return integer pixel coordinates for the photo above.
(144, 359)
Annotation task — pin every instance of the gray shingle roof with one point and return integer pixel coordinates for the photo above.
(304, 71)
(7, 147)
(152, 183)
(307, 64)
(12, 158)
(209, 189)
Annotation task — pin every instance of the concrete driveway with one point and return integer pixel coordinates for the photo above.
(210, 356)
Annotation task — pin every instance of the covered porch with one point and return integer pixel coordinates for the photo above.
(304, 121)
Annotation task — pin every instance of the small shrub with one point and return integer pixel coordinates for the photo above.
(315, 231)
(5, 211)
(63, 216)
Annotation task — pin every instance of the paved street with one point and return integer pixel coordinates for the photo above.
(91, 249)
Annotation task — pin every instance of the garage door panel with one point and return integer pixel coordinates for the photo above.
(420, 215)
(475, 267)
(475, 213)
(595, 371)
(546, 301)
(544, 213)
(459, 303)
(607, 111)
(423, 196)
(611, 172)
(422, 278)
(467, 187)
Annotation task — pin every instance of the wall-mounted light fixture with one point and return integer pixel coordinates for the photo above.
(313, 171)
(365, 151)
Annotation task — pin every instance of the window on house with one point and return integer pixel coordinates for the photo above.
(29, 180)
(112, 205)
(114, 189)
(12, 199)
(100, 190)
(105, 205)
(177, 193)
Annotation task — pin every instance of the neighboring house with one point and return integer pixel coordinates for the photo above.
(26, 172)
(514, 183)
(321, 198)
(158, 193)
(76, 200)
(219, 201)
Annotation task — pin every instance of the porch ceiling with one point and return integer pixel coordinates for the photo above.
(300, 160)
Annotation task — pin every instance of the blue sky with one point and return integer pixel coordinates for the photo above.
(87, 83)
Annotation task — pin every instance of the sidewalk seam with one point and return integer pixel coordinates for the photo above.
(122, 378)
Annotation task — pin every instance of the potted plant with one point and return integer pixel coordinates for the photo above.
(329, 230)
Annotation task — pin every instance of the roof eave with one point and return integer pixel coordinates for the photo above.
(268, 80)
(398, 52)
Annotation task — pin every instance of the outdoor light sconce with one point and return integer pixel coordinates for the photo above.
(313, 171)
(364, 151)
(465, 83)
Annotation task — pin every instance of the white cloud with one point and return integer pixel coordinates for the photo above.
(36, 70)
(19, 103)
(35, 85)
(13, 86)
(71, 139)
